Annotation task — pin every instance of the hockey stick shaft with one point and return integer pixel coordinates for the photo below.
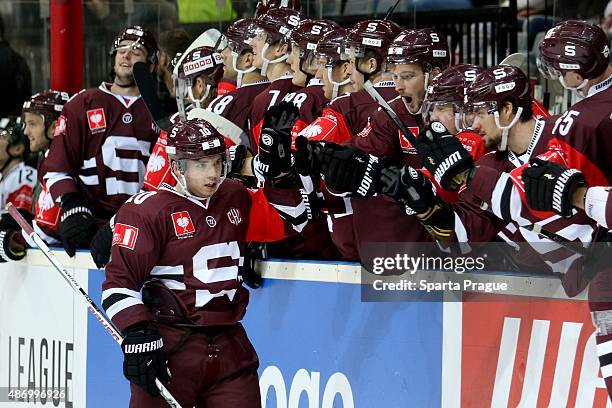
(91, 305)
(146, 86)
(369, 88)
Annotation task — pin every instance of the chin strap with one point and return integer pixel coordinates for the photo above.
(503, 146)
(240, 72)
(198, 102)
(336, 85)
(266, 62)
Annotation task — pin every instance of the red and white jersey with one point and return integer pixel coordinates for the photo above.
(271, 96)
(538, 110)
(17, 186)
(105, 140)
(193, 247)
(347, 115)
(47, 212)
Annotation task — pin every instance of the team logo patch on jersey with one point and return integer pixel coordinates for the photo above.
(127, 118)
(234, 216)
(183, 226)
(96, 120)
(405, 144)
(125, 236)
(210, 220)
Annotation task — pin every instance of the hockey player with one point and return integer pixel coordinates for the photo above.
(499, 108)
(40, 114)
(346, 60)
(264, 5)
(99, 154)
(17, 184)
(182, 248)
(236, 105)
(270, 42)
(304, 63)
(198, 75)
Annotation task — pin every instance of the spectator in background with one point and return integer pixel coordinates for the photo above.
(15, 78)
(607, 24)
(170, 43)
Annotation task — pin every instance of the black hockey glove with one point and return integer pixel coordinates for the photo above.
(77, 225)
(346, 169)
(414, 193)
(144, 360)
(306, 156)
(12, 245)
(550, 186)
(100, 247)
(443, 155)
(281, 117)
(274, 155)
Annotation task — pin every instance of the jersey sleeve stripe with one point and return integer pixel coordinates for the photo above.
(122, 305)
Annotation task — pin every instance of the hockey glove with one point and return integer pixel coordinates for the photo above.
(414, 193)
(345, 169)
(274, 155)
(550, 186)
(12, 246)
(100, 247)
(144, 360)
(443, 155)
(77, 225)
(281, 117)
(306, 162)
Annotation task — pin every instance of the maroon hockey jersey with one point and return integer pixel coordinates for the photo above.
(192, 247)
(492, 185)
(271, 96)
(236, 105)
(101, 149)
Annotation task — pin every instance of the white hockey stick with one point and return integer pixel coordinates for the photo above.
(223, 125)
(93, 308)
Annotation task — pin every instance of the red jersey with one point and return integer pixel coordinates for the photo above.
(46, 212)
(271, 96)
(192, 247)
(101, 149)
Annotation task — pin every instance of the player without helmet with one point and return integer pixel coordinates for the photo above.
(575, 53)
(498, 99)
(445, 98)
(198, 157)
(415, 57)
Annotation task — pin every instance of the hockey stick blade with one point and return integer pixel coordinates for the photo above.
(91, 305)
(148, 91)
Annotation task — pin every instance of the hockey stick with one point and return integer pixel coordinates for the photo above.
(93, 308)
(148, 91)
